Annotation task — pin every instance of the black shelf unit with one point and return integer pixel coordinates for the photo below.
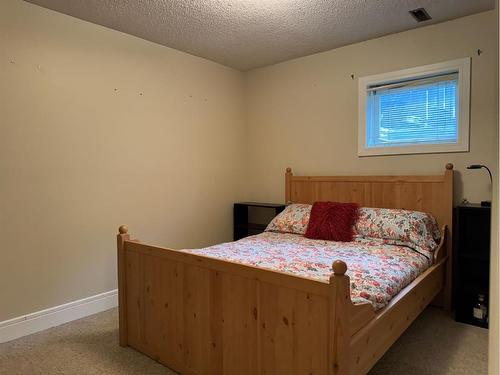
(471, 260)
(252, 218)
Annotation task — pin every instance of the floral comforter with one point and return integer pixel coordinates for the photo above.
(378, 271)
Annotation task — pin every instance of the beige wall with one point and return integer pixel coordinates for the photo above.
(494, 321)
(82, 151)
(303, 113)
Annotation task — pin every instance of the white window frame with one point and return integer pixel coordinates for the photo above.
(462, 66)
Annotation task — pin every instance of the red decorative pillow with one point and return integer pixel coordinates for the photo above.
(332, 221)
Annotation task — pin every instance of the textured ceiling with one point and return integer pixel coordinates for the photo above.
(245, 34)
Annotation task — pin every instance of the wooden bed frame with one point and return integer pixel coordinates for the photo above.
(200, 315)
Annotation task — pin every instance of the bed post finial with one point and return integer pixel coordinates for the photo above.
(449, 166)
(123, 229)
(289, 170)
(339, 268)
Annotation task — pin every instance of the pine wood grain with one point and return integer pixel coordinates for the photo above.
(201, 315)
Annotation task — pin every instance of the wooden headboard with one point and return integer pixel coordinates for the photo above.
(426, 193)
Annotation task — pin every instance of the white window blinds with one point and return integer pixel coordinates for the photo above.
(413, 112)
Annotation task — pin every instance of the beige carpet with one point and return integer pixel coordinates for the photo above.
(434, 344)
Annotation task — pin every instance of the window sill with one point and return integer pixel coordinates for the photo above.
(409, 150)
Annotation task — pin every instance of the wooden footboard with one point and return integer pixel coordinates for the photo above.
(200, 315)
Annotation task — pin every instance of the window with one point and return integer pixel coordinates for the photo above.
(417, 110)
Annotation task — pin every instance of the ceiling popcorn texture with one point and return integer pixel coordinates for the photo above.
(247, 34)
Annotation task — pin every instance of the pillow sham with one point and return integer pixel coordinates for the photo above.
(332, 221)
(418, 230)
(293, 219)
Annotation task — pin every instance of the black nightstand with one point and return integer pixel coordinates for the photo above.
(252, 218)
(471, 255)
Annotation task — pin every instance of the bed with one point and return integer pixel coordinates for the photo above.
(202, 313)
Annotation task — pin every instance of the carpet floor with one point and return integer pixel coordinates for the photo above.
(434, 344)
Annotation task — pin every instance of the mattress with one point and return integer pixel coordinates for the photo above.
(377, 270)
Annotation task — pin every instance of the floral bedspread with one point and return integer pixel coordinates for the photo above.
(378, 271)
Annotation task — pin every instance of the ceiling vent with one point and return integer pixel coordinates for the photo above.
(420, 15)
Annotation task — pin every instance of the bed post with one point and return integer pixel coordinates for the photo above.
(122, 296)
(448, 180)
(339, 334)
(288, 185)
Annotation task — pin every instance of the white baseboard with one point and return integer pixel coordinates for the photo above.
(27, 324)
